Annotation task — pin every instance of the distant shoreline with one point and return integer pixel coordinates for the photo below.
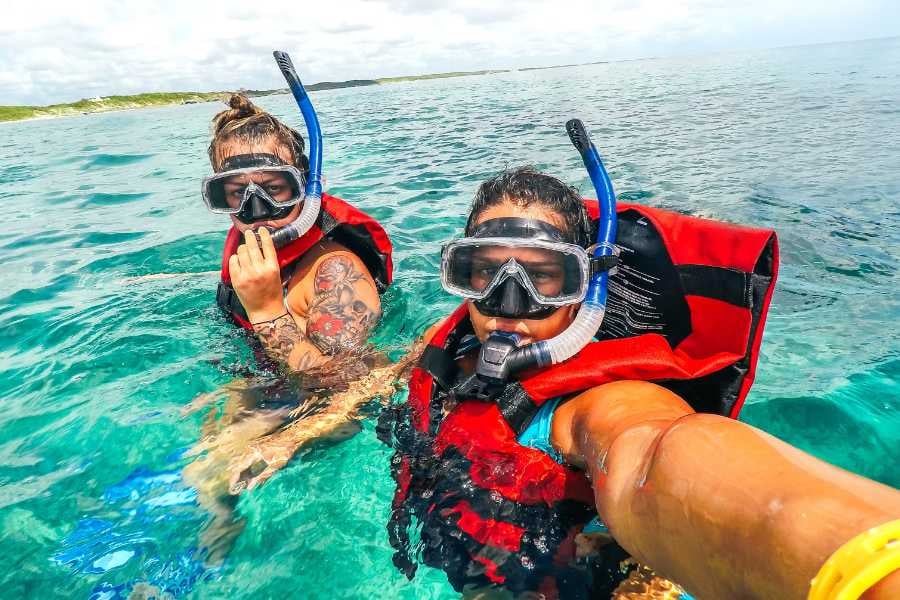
(106, 104)
(115, 103)
(155, 99)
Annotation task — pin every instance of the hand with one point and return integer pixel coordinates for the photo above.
(256, 277)
(259, 461)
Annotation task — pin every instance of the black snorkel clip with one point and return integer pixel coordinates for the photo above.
(499, 359)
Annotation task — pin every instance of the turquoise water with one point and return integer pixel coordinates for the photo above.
(94, 370)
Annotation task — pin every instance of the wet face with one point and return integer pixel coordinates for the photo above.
(275, 185)
(550, 278)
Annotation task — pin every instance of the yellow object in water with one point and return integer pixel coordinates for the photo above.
(859, 564)
(643, 584)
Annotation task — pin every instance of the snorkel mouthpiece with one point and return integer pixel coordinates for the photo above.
(312, 202)
(500, 359)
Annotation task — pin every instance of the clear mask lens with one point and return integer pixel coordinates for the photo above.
(229, 191)
(554, 273)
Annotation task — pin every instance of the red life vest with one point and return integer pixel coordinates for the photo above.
(686, 310)
(337, 221)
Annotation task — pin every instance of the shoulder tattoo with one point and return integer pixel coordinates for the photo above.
(338, 318)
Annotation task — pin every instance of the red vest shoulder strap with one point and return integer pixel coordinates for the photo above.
(439, 339)
(361, 234)
(435, 362)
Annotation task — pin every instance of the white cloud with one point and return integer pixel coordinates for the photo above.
(56, 52)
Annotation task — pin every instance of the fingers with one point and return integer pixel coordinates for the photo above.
(250, 472)
(258, 250)
(261, 478)
(241, 473)
(268, 246)
(256, 277)
(234, 266)
(252, 246)
(255, 254)
(236, 486)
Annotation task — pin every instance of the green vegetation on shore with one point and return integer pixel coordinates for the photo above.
(107, 103)
(439, 75)
(15, 113)
(336, 85)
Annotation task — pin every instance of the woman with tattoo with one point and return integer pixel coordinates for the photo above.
(316, 297)
(311, 303)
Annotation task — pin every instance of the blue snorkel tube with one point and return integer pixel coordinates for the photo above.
(500, 357)
(583, 329)
(606, 197)
(590, 316)
(312, 201)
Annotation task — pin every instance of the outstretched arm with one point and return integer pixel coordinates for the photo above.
(265, 456)
(723, 508)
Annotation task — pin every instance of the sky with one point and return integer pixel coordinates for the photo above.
(63, 51)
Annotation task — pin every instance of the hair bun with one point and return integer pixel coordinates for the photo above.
(243, 107)
(245, 121)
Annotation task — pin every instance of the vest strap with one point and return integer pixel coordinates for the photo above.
(516, 406)
(438, 363)
(327, 223)
(728, 285)
(227, 300)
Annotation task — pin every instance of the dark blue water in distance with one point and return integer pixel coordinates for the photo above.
(95, 366)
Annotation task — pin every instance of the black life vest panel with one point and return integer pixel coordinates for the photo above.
(686, 310)
(338, 221)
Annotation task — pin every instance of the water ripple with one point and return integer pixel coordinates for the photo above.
(103, 161)
(104, 199)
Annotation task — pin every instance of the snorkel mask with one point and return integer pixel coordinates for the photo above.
(501, 357)
(261, 187)
(516, 269)
(254, 187)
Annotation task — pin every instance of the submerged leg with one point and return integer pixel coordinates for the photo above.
(264, 457)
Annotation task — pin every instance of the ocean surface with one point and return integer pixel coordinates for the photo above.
(97, 362)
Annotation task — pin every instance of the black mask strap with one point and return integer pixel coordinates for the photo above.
(516, 227)
(250, 161)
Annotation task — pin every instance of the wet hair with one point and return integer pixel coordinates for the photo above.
(248, 123)
(525, 186)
